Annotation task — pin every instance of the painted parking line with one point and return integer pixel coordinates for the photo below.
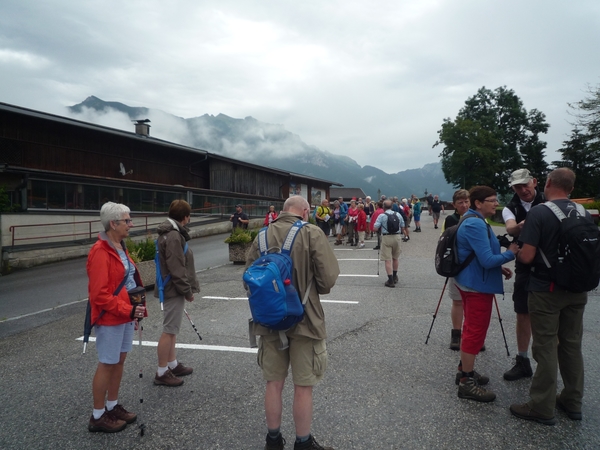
(356, 275)
(219, 348)
(246, 298)
(358, 259)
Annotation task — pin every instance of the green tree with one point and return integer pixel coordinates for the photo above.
(492, 135)
(580, 153)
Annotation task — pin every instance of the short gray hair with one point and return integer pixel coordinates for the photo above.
(112, 211)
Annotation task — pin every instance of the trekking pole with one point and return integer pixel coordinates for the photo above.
(501, 327)
(193, 326)
(436, 310)
(141, 425)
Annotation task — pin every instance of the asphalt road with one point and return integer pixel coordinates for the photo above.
(384, 388)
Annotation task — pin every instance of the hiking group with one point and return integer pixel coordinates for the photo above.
(549, 306)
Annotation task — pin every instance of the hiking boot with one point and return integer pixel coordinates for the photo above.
(521, 369)
(455, 340)
(181, 371)
(311, 444)
(338, 242)
(525, 412)
(107, 423)
(120, 413)
(275, 444)
(395, 279)
(168, 379)
(481, 380)
(389, 284)
(469, 388)
(573, 415)
(377, 247)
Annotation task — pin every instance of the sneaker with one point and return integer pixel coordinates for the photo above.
(396, 279)
(275, 444)
(181, 370)
(362, 245)
(573, 415)
(525, 412)
(311, 444)
(376, 247)
(455, 340)
(389, 284)
(338, 243)
(107, 423)
(435, 226)
(481, 380)
(521, 369)
(120, 413)
(470, 389)
(168, 379)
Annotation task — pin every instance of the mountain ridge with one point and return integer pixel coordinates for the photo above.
(253, 141)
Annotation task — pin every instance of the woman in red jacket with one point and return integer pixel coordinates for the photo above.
(111, 274)
(271, 216)
(361, 225)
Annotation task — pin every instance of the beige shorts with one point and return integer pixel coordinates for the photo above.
(453, 292)
(172, 314)
(390, 247)
(308, 358)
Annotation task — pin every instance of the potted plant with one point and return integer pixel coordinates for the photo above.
(239, 242)
(142, 253)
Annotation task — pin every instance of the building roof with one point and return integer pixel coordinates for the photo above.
(346, 193)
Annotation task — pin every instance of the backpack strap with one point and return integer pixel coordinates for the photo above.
(160, 281)
(263, 246)
(472, 255)
(560, 215)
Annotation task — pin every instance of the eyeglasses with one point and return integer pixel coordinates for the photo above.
(495, 200)
(127, 221)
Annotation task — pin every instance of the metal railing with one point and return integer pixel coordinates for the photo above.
(87, 229)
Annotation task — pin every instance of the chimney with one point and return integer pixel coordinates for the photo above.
(141, 127)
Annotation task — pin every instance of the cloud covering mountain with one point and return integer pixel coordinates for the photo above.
(266, 144)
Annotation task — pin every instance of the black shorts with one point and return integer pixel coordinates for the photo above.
(520, 293)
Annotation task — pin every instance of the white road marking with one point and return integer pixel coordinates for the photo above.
(44, 310)
(219, 348)
(246, 298)
(358, 259)
(356, 275)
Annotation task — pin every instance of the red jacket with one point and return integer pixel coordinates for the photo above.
(274, 216)
(361, 221)
(105, 272)
(374, 218)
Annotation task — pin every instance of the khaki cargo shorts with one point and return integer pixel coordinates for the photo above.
(390, 247)
(308, 358)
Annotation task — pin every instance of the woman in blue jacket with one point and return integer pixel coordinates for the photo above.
(477, 284)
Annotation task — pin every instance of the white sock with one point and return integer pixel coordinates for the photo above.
(173, 364)
(161, 371)
(110, 404)
(97, 413)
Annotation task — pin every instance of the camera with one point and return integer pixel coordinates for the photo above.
(504, 241)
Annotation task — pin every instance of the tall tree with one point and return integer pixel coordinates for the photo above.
(580, 153)
(495, 130)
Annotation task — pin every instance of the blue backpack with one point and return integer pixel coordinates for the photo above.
(160, 281)
(273, 299)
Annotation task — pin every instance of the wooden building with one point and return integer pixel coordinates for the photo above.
(52, 163)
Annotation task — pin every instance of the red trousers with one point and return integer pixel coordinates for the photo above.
(477, 308)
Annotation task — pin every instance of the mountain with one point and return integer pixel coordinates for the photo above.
(270, 145)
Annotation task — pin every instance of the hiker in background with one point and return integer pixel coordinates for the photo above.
(177, 261)
(361, 225)
(436, 208)
(322, 216)
(429, 203)
(416, 207)
(351, 221)
(390, 242)
(514, 214)
(270, 217)
(556, 313)
(113, 315)
(377, 213)
(408, 214)
(337, 222)
(313, 259)
(239, 218)
(461, 203)
(343, 214)
(369, 211)
(477, 284)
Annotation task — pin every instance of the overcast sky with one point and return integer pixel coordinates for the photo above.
(370, 79)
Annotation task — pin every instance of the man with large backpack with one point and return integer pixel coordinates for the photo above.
(315, 269)
(556, 303)
(390, 223)
(514, 214)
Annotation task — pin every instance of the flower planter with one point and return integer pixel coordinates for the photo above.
(237, 252)
(147, 270)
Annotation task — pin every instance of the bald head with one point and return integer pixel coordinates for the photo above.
(296, 205)
(387, 204)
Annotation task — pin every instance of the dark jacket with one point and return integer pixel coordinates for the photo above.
(172, 237)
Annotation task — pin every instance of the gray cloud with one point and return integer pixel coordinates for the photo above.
(370, 80)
